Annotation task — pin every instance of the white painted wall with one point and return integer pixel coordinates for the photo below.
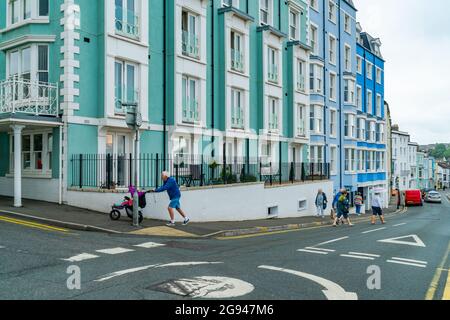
(230, 203)
(32, 188)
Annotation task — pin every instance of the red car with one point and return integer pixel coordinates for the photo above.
(413, 198)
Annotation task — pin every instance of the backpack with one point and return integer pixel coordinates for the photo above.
(142, 201)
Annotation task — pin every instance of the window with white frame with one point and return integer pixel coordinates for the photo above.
(369, 101)
(316, 154)
(332, 86)
(126, 85)
(331, 11)
(265, 12)
(369, 70)
(314, 4)
(316, 119)
(333, 160)
(127, 18)
(313, 39)
(190, 99)
(353, 160)
(361, 129)
(37, 151)
(349, 91)
(301, 120)
(348, 163)
(372, 132)
(349, 126)
(378, 106)
(29, 63)
(274, 115)
(237, 52)
(22, 10)
(347, 24)
(348, 58)
(378, 75)
(332, 49)
(272, 65)
(333, 123)
(181, 149)
(359, 64)
(293, 24)
(382, 134)
(359, 97)
(237, 109)
(301, 79)
(315, 78)
(189, 27)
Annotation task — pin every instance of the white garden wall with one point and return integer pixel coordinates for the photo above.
(32, 188)
(230, 203)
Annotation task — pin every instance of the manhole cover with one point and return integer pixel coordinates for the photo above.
(206, 287)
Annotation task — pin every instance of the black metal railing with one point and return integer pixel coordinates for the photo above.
(109, 172)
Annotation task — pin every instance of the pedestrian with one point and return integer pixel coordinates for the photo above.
(399, 199)
(343, 206)
(321, 203)
(377, 208)
(359, 201)
(334, 205)
(173, 190)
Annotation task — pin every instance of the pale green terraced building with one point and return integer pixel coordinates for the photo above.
(222, 79)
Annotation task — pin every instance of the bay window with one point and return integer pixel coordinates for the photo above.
(274, 117)
(272, 65)
(22, 10)
(237, 54)
(301, 75)
(293, 24)
(359, 97)
(316, 119)
(333, 123)
(301, 121)
(348, 58)
(315, 78)
(37, 150)
(333, 86)
(349, 91)
(265, 11)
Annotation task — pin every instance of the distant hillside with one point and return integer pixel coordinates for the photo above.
(428, 147)
(438, 151)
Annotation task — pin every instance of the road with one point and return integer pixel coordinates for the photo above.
(407, 259)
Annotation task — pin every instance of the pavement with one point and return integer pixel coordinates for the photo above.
(406, 259)
(84, 220)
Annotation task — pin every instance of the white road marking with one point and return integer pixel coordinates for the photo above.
(133, 270)
(331, 241)
(312, 251)
(2, 247)
(400, 224)
(149, 245)
(373, 230)
(417, 241)
(114, 251)
(320, 249)
(410, 260)
(208, 287)
(365, 254)
(81, 257)
(357, 257)
(333, 291)
(407, 263)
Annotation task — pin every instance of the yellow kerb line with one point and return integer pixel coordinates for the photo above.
(447, 288)
(435, 282)
(32, 224)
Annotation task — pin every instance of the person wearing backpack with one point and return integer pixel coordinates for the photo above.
(321, 203)
(343, 207)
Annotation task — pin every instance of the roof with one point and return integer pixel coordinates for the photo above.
(444, 165)
(370, 43)
(350, 3)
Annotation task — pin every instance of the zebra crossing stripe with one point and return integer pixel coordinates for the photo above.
(149, 245)
(114, 251)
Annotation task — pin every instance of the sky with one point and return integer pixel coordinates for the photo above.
(415, 36)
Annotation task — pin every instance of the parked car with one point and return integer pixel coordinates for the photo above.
(413, 198)
(425, 192)
(434, 197)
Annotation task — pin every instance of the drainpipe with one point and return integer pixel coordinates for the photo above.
(324, 84)
(279, 15)
(164, 84)
(213, 139)
(341, 140)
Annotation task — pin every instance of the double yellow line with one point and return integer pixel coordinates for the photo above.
(32, 224)
(437, 277)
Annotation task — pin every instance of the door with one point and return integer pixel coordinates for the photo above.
(117, 168)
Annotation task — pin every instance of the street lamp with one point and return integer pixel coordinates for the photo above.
(134, 122)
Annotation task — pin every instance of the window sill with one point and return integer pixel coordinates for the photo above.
(32, 175)
(239, 73)
(128, 39)
(42, 20)
(191, 58)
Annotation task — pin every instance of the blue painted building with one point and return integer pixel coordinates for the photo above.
(332, 81)
(369, 165)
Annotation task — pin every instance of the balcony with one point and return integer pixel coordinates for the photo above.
(272, 74)
(237, 60)
(190, 111)
(125, 96)
(127, 23)
(273, 123)
(190, 44)
(237, 120)
(26, 97)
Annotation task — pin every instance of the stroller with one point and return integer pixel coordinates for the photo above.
(127, 205)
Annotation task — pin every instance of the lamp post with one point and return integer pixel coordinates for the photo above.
(134, 122)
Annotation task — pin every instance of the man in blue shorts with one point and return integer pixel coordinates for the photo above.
(173, 190)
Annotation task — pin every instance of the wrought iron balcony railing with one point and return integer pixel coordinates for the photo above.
(23, 96)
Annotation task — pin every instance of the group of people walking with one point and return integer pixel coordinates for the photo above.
(341, 207)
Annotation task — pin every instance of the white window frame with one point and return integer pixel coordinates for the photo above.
(332, 9)
(369, 101)
(378, 103)
(230, 3)
(301, 75)
(23, 17)
(314, 4)
(347, 23)
(196, 81)
(294, 25)
(267, 10)
(333, 160)
(314, 38)
(137, 13)
(369, 70)
(378, 75)
(301, 120)
(33, 63)
(359, 61)
(273, 58)
(333, 123)
(317, 120)
(359, 97)
(332, 45)
(238, 100)
(273, 104)
(348, 57)
(332, 86)
(190, 15)
(350, 84)
(124, 69)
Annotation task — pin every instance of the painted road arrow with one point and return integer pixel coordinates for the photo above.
(333, 291)
(417, 242)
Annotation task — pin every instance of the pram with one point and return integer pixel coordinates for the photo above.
(127, 205)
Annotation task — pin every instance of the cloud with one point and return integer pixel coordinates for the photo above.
(416, 46)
